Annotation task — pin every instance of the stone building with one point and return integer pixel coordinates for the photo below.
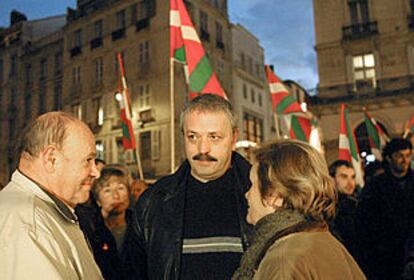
(365, 53)
(71, 65)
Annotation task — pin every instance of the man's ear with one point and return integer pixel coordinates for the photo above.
(50, 158)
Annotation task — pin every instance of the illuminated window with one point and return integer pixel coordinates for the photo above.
(252, 128)
(364, 68)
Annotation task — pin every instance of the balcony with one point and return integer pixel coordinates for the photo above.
(358, 31)
(204, 35)
(97, 42)
(75, 51)
(142, 24)
(118, 34)
(410, 20)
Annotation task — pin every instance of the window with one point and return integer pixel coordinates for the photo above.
(120, 150)
(244, 91)
(252, 95)
(252, 128)
(57, 94)
(259, 97)
(364, 68)
(358, 10)
(77, 110)
(28, 75)
(76, 75)
(27, 107)
(98, 28)
(58, 63)
(120, 19)
(42, 98)
(99, 149)
(143, 56)
(98, 71)
(242, 60)
(219, 35)
(77, 38)
(98, 111)
(13, 65)
(146, 145)
(1, 70)
(144, 97)
(43, 69)
(204, 26)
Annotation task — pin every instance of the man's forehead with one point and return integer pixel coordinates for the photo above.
(343, 169)
(204, 120)
(402, 152)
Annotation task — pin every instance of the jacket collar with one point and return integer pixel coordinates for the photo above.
(37, 189)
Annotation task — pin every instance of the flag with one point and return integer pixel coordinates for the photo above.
(410, 127)
(128, 137)
(348, 146)
(300, 127)
(282, 101)
(186, 47)
(377, 137)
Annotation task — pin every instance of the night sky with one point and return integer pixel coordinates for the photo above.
(284, 28)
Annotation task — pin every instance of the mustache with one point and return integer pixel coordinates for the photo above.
(204, 157)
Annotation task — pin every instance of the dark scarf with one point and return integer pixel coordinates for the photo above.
(269, 229)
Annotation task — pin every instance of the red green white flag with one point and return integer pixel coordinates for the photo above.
(377, 137)
(282, 101)
(128, 137)
(186, 47)
(410, 127)
(348, 146)
(300, 127)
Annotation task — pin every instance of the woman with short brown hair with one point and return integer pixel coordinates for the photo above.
(290, 201)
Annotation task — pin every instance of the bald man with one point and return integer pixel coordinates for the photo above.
(40, 236)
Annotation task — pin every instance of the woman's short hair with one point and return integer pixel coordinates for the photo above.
(298, 173)
(107, 172)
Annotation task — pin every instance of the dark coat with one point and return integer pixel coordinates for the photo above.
(160, 215)
(343, 225)
(384, 215)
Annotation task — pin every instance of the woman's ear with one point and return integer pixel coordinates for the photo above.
(274, 201)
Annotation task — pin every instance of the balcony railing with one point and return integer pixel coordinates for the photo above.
(75, 51)
(358, 31)
(118, 34)
(97, 42)
(142, 24)
(410, 20)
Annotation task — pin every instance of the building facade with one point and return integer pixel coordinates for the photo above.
(72, 66)
(365, 53)
(252, 103)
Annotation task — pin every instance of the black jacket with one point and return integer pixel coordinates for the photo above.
(159, 221)
(383, 221)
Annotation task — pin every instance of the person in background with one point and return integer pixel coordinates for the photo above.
(343, 224)
(137, 188)
(191, 224)
(385, 214)
(109, 240)
(40, 236)
(291, 199)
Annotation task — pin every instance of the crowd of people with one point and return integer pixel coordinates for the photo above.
(282, 215)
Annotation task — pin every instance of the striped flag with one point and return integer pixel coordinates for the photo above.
(410, 127)
(377, 137)
(300, 127)
(348, 146)
(186, 47)
(128, 137)
(282, 101)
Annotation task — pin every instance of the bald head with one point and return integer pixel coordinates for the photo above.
(47, 129)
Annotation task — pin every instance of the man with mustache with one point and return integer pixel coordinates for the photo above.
(191, 224)
(40, 236)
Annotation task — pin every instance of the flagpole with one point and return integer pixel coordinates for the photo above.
(276, 125)
(172, 114)
(127, 103)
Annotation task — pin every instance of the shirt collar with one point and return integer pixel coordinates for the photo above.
(67, 212)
